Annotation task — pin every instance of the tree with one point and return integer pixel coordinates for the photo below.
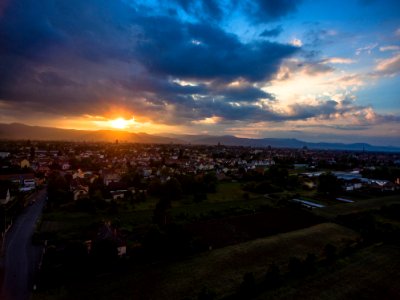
(75, 260)
(160, 214)
(330, 252)
(210, 182)
(58, 189)
(309, 262)
(278, 175)
(104, 253)
(248, 285)
(273, 275)
(32, 153)
(155, 187)
(329, 184)
(172, 190)
(295, 265)
(206, 294)
(199, 197)
(154, 240)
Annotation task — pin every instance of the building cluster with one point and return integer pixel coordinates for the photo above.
(353, 180)
(28, 164)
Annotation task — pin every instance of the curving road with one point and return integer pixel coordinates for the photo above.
(21, 258)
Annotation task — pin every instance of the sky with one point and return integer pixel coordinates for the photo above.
(311, 70)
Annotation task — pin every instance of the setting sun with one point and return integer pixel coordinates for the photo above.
(120, 123)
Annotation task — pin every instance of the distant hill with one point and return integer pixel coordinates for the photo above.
(230, 140)
(18, 131)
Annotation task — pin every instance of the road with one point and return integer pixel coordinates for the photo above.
(21, 258)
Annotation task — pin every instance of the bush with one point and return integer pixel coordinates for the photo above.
(248, 286)
(330, 252)
(309, 263)
(273, 275)
(206, 294)
(295, 265)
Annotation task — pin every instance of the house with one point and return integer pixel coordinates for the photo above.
(30, 182)
(352, 185)
(120, 194)
(18, 178)
(111, 177)
(121, 249)
(4, 154)
(78, 174)
(65, 166)
(81, 192)
(382, 185)
(5, 195)
(25, 163)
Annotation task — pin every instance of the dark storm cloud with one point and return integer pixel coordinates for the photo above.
(54, 79)
(77, 57)
(204, 51)
(72, 56)
(324, 108)
(274, 32)
(347, 127)
(24, 30)
(241, 94)
(264, 11)
(209, 7)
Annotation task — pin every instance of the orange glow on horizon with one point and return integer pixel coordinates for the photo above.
(121, 123)
(111, 121)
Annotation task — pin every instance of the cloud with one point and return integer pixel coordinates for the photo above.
(274, 32)
(265, 11)
(317, 37)
(291, 67)
(209, 8)
(167, 64)
(89, 56)
(389, 66)
(168, 50)
(342, 127)
(296, 42)
(339, 60)
(389, 48)
(208, 121)
(322, 109)
(366, 49)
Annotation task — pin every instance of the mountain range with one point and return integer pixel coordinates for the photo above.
(17, 131)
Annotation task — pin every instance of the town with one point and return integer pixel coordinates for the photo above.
(113, 210)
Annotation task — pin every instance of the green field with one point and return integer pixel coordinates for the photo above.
(371, 273)
(221, 270)
(331, 212)
(67, 223)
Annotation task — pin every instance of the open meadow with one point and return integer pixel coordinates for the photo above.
(371, 273)
(334, 211)
(220, 270)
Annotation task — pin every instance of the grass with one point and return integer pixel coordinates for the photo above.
(333, 211)
(228, 200)
(221, 270)
(371, 273)
(228, 191)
